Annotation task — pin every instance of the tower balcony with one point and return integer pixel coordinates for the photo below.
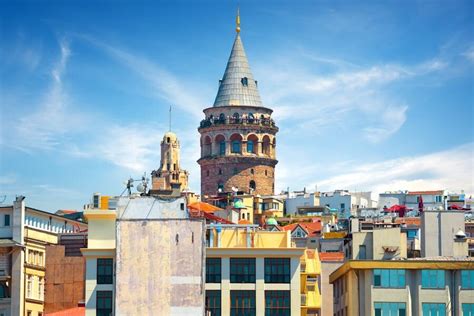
(231, 121)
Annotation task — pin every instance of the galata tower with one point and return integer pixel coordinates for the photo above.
(238, 133)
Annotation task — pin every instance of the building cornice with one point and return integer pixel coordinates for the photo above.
(254, 252)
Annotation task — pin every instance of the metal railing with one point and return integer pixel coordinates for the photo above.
(234, 121)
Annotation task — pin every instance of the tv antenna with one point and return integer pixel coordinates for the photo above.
(141, 187)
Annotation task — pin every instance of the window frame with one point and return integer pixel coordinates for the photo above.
(248, 300)
(434, 309)
(104, 295)
(214, 309)
(105, 278)
(213, 276)
(238, 271)
(278, 296)
(379, 308)
(387, 278)
(467, 279)
(5, 221)
(428, 275)
(277, 270)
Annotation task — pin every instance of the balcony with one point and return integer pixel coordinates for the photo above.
(211, 122)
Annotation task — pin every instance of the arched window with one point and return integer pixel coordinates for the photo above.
(207, 146)
(235, 171)
(220, 187)
(266, 172)
(221, 118)
(252, 171)
(220, 171)
(236, 141)
(251, 117)
(236, 117)
(220, 141)
(245, 81)
(266, 145)
(168, 140)
(252, 140)
(252, 185)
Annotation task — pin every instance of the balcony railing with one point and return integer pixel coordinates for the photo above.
(236, 121)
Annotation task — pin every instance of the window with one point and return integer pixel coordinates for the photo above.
(242, 270)
(104, 303)
(390, 309)
(362, 252)
(105, 270)
(467, 279)
(252, 171)
(389, 278)
(438, 199)
(221, 118)
(467, 309)
(251, 118)
(220, 171)
(343, 206)
(252, 185)
(242, 303)
(29, 287)
(207, 173)
(168, 140)
(245, 81)
(220, 187)
(222, 147)
(412, 234)
(29, 313)
(236, 117)
(4, 291)
(250, 146)
(434, 309)
(266, 173)
(434, 279)
(40, 288)
(277, 303)
(236, 146)
(213, 270)
(213, 303)
(7, 220)
(277, 270)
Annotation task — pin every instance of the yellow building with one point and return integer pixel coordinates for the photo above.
(24, 233)
(310, 283)
(251, 272)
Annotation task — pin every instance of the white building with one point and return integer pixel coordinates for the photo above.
(345, 202)
(299, 199)
(432, 200)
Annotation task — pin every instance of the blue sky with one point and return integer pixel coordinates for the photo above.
(368, 95)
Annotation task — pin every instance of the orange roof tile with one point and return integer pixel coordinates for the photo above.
(331, 256)
(310, 228)
(416, 221)
(204, 207)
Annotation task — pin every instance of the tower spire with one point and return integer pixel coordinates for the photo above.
(170, 120)
(237, 21)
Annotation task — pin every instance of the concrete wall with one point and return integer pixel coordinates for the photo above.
(160, 267)
(438, 229)
(326, 288)
(292, 203)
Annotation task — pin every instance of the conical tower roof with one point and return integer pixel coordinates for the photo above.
(238, 87)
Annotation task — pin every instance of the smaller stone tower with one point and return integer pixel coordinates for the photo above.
(169, 176)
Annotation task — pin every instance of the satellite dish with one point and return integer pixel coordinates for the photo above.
(234, 189)
(141, 188)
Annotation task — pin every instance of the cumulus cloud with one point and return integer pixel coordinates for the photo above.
(451, 169)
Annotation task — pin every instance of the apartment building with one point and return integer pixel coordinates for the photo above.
(145, 256)
(252, 272)
(423, 286)
(24, 234)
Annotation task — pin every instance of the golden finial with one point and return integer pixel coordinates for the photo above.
(237, 21)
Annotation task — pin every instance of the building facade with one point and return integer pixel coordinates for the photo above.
(404, 288)
(169, 175)
(146, 242)
(252, 272)
(24, 234)
(238, 134)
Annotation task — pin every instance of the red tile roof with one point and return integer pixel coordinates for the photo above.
(436, 192)
(416, 221)
(310, 228)
(331, 256)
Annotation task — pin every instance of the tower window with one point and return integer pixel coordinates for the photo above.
(220, 171)
(251, 117)
(222, 148)
(245, 81)
(251, 171)
(221, 118)
(266, 173)
(236, 117)
(220, 187)
(207, 173)
(235, 171)
(236, 147)
(252, 185)
(250, 146)
(168, 140)
(167, 166)
(174, 166)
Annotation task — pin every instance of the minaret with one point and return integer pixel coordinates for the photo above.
(169, 176)
(237, 134)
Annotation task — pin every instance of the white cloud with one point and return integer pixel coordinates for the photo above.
(451, 169)
(469, 54)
